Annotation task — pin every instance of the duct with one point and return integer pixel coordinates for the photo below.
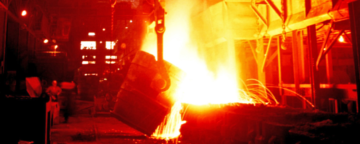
(321, 10)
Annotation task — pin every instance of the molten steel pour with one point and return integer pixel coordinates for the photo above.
(211, 76)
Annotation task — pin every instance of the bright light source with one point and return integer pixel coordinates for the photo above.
(126, 27)
(88, 45)
(111, 57)
(84, 56)
(56, 46)
(23, 13)
(341, 39)
(118, 69)
(104, 29)
(88, 62)
(109, 45)
(110, 62)
(46, 41)
(130, 21)
(91, 34)
(101, 42)
(90, 74)
(105, 79)
(94, 57)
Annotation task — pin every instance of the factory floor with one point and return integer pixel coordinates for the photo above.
(84, 128)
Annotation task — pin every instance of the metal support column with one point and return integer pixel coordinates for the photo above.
(354, 13)
(260, 58)
(312, 50)
(3, 31)
(329, 67)
(283, 97)
(296, 50)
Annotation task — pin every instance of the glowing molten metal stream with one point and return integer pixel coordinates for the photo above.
(201, 86)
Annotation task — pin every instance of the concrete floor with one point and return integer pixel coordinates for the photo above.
(85, 129)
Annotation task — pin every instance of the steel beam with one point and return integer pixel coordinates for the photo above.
(326, 49)
(276, 9)
(312, 52)
(266, 54)
(258, 14)
(260, 58)
(347, 37)
(354, 13)
(253, 51)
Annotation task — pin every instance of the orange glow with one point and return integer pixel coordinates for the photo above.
(56, 46)
(341, 39)
(46, 41)
(23, 13)
(91, 34)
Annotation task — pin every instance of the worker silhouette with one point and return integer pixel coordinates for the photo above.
(53, 91)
